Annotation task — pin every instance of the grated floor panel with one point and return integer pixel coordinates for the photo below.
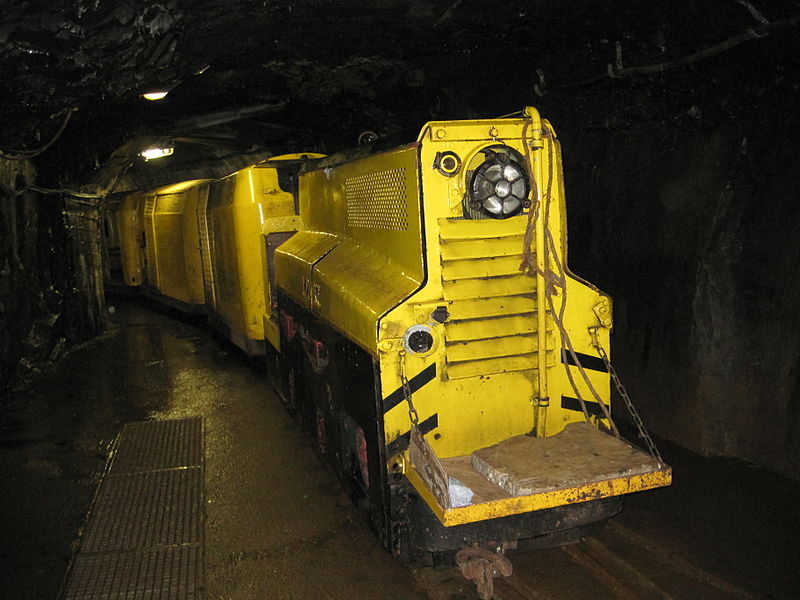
(152, 445)
(144, 535)
(142, 510)
(163, 574)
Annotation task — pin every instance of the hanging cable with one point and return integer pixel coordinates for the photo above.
(614, 72)
(67, 192)
(28, 154)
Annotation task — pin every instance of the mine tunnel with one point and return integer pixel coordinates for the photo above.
(153, 446)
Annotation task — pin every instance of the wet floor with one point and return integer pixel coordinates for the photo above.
(278, 525)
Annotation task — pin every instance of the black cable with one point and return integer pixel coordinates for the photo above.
(28, 154)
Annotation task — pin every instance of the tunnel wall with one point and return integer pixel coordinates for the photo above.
(695, 231)
(49, 298)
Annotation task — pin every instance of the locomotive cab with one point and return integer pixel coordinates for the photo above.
(453, 369)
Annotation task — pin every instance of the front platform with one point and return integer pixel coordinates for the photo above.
(527, 473)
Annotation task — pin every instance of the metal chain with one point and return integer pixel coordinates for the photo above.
(412, 412)
(637, 420)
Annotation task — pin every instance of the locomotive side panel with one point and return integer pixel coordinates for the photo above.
(360, 251)
(358, 255)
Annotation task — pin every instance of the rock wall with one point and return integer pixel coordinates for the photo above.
(696, 233)
(49, 296)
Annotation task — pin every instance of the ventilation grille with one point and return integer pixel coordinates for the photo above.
(378, 200)
(493, 327)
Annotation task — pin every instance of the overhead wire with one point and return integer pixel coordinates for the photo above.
(28, 154)
(615, 71)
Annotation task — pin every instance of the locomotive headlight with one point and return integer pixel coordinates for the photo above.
(499, 185)
(418, 339)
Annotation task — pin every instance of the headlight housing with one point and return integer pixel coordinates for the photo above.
(499, 186)
(418, 339)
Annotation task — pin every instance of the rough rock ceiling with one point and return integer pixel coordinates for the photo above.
(266, 76)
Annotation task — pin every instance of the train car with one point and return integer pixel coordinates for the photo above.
(449, 364)
(172, 244)
(206, 246)
(246, 216)
(128, 215)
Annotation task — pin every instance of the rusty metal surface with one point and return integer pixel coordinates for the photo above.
(482, 566)
(144, 537)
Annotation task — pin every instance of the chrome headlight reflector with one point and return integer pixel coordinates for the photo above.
(499, 185)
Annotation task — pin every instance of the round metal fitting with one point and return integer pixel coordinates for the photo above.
(447, 163)
(418, 339)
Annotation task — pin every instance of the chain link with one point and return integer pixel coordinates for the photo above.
(412, 412)
(637, 420)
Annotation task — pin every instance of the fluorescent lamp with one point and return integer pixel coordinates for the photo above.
(155, 95)
(155, 152)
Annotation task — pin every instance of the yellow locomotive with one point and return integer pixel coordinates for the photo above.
(416, 311)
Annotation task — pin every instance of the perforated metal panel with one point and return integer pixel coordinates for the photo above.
(378, 200)
(157, 445)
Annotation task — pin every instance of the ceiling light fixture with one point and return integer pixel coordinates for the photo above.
(154, 95)
(157, 152)
(159, 92)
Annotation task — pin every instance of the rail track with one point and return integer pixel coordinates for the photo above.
(619, 564)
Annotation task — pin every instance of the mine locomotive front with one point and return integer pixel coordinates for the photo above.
(451, 366)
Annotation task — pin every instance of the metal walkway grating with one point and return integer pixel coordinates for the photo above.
(142, 510)
(144, 535)
(152, 445)
(161, 574)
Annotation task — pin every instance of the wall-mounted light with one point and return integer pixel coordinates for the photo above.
(157, 152)
(155, 95)
(159, 92)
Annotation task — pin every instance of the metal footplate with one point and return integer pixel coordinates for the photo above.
(524, 474)
(144, 534)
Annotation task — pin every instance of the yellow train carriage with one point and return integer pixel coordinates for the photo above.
(433, 338)
(129, 216)
(246, 216)
(172, 243)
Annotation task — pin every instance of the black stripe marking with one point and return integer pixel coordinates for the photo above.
(415, 383)
(401, 442)
(592, 407)
(594, 363)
